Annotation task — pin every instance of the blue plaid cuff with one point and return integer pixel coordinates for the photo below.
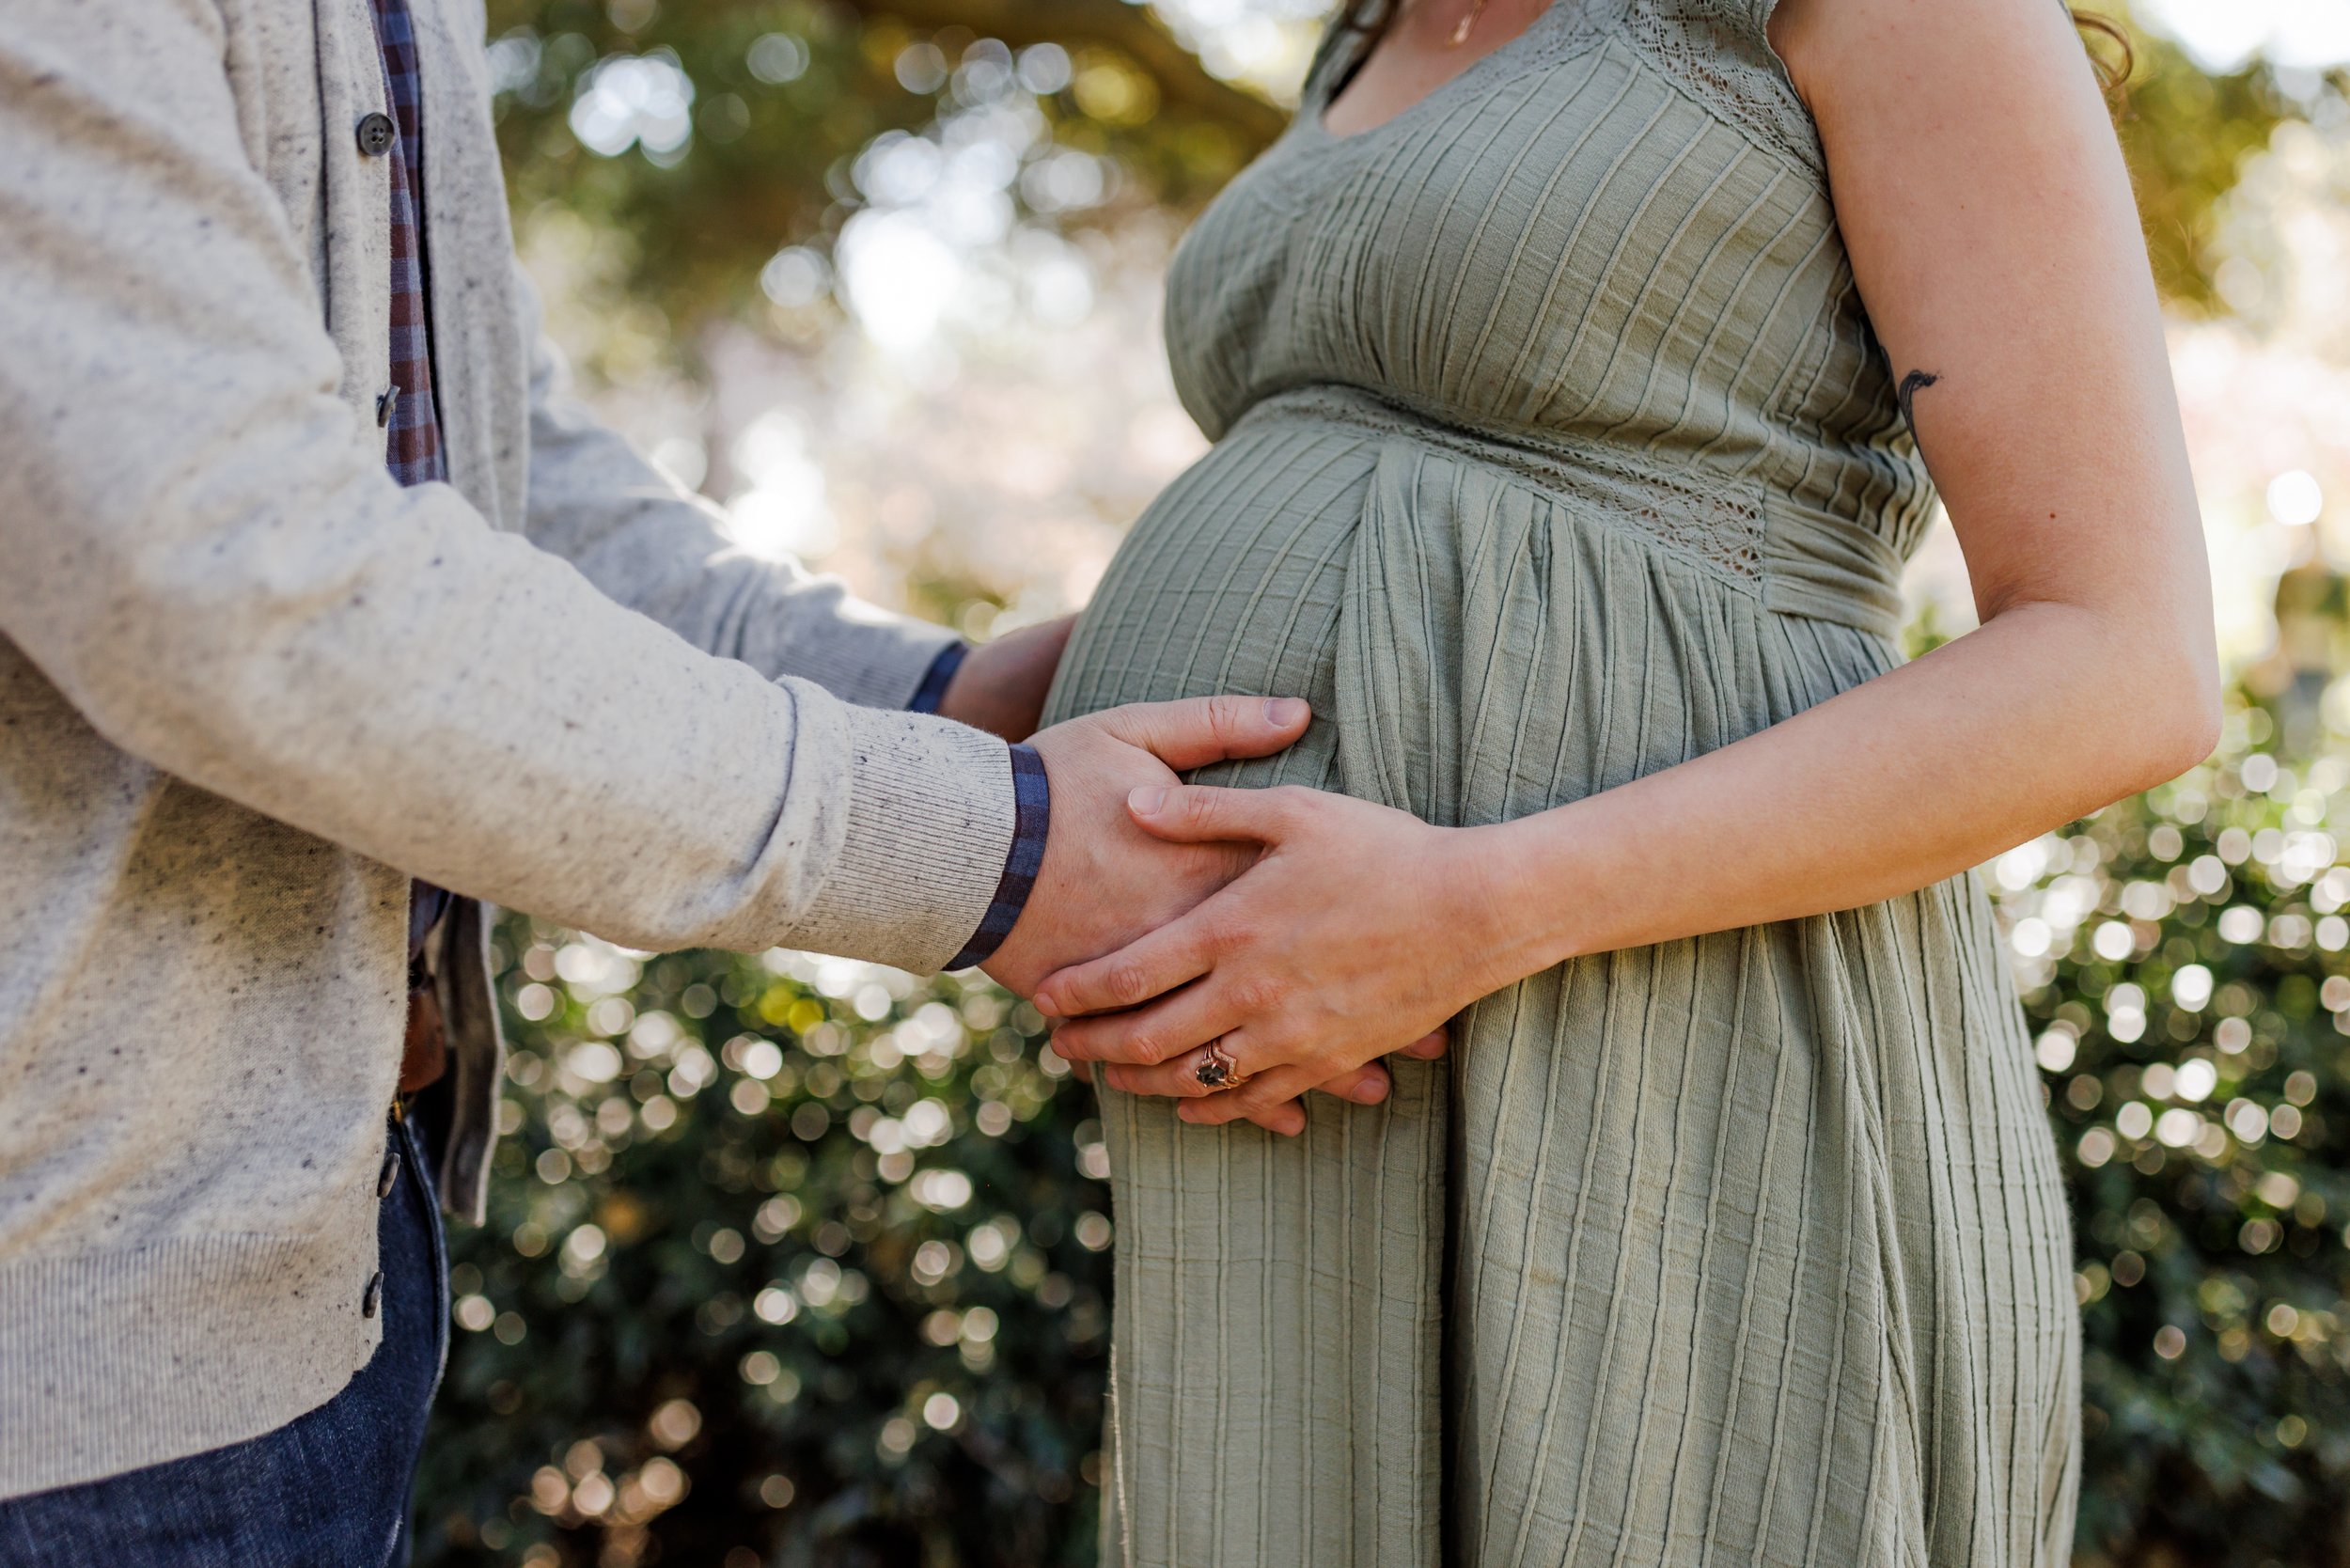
(933, 691)
(1033, 802)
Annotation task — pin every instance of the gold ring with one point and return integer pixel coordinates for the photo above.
(1216, 1069)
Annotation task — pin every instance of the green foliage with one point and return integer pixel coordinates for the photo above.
(2185, 134)
(698, 221)
(782, 95)
(754, 150)
(787, 1263)
(2182, 954)
(759, 1216)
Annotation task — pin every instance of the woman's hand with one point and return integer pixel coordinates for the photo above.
(1105, 882)
(1357, 932)
(1366, 1085)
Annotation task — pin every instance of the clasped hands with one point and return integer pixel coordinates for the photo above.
(1305, 934)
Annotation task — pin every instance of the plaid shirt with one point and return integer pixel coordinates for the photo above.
(412, 453)
(411, 422)
(413, 429)
(1032, 802)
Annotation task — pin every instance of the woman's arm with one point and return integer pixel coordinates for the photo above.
(1989, 220)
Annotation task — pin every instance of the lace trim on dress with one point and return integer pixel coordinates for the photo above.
(1718, 48)
(1720, 532)
(1714, 50)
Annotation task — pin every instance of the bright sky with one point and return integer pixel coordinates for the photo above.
(1265, 41)
(2221, 35)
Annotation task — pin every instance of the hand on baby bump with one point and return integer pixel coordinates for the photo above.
(1355, 933)
(1110, 879)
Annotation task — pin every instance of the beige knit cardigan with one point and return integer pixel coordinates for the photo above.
(249, 686)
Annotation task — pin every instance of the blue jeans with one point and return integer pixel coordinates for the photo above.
(329, 1490)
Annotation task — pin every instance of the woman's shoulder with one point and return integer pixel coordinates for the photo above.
(1719, 52)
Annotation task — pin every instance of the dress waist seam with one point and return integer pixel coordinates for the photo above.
(1785, 558)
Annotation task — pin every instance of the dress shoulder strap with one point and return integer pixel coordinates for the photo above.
(1341, 49)
(1716, 51)
(1719, 52)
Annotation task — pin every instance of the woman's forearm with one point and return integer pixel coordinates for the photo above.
(2046, 713)
(1361, 928)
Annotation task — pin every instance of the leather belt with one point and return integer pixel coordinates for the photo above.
(425, 1056)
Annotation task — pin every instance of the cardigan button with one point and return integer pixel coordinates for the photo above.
(374, 1296)
(389, 1174)
(376, 134)
(385, 401)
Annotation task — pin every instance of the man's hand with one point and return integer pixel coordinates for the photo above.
(1001, 685)
(1104, 881)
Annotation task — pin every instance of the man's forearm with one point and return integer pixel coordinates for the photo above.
(209, 562)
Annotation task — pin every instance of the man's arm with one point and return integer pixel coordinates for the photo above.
(653, 546)
(204, 554)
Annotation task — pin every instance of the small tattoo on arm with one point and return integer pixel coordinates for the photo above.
(1912, 384)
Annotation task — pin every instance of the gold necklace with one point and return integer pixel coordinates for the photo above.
(1468, 19)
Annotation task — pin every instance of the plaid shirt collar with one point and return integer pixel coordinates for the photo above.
(412, 424)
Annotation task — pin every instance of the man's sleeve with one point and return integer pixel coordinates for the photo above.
(931, 693)
(1032, 822)
(655, 547)
(204, 554)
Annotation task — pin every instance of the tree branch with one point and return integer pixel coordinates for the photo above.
(1182, 82)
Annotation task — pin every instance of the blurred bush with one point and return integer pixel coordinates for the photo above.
(789, 1261)
(796, 1261)
(2182, 959)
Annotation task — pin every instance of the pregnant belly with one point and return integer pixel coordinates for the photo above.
(1476, 646)
(1232, 581)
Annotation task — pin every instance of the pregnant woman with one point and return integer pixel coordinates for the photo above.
(1569, 371)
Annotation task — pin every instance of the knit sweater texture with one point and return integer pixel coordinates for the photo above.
(250, 687)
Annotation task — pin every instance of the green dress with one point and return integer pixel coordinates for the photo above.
(1552, 447)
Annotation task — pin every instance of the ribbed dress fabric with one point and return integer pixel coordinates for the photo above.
(1552, 449)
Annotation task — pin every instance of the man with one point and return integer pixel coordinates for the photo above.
(318, 599)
